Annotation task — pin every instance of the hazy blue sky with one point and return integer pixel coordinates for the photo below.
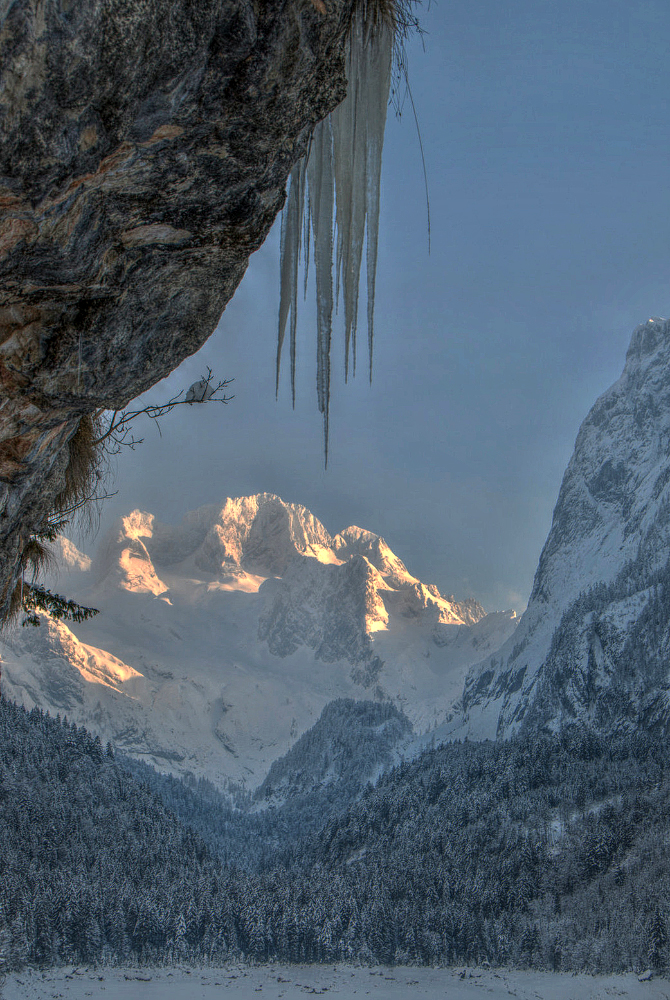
(546, 131)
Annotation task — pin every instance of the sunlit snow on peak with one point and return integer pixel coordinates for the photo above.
(221, 639)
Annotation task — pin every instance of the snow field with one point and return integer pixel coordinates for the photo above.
(290, 982)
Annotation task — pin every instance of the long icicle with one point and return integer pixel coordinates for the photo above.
(343, 122)
(300, 198)
(350, 136)
(290, 254)
(287, 258)
(320, 181)
(379, 85)
(340, 177)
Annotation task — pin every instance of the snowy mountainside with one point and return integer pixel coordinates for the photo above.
(221, 639)
(325, 771)
(349, 745)
(594, 641)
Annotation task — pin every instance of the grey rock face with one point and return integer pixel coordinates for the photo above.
(593, 644)
(325, 607)
(144, 150)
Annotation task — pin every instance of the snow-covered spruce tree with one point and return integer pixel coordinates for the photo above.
(657, 934)
(333, 197)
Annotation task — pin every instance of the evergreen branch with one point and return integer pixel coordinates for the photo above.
(37, 598)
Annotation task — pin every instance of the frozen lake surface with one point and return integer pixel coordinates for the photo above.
(345, 982)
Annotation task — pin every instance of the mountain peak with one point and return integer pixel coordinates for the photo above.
(356, 541)
(138, 524)
(581, 647)
(647, 339)
(228, 633)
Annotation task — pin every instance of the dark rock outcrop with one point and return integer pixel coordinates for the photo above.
(144, 151)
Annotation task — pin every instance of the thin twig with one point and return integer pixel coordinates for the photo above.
(118, 428)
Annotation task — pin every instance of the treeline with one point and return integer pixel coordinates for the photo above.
(324, 772)
(545, 852)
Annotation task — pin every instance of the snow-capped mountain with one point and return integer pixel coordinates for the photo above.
(594, 642)
(221, 639)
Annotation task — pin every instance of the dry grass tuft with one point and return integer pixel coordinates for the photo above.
(398, 15)
(36, 558)
(83, 471)
(82, 475)
(382, 12)
(15, 604)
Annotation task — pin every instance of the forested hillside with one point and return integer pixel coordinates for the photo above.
(540, 851)
(323, 773)
(544, 852)
(352, 743)
(92, 864)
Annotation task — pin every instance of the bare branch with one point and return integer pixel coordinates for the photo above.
(119, 435)
(64, 516)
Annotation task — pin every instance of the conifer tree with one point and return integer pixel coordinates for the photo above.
(658, 941)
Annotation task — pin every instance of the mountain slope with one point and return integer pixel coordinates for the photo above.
(92, 864)
(221, 639)
(349, 746)
(325, 771)
(593, 644)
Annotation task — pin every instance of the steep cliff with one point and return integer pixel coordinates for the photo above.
(144, 151)
(593, 645)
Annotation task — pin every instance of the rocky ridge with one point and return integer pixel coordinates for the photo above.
(593, 644)
(221, 639)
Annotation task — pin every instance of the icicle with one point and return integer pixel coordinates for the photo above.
(290, 253)
(320, 181)
(343, 120)
(347, 172)
(307, 219)
(358, 136)
(379, 81)
(288, 258)
(306, 239)
(343, 177)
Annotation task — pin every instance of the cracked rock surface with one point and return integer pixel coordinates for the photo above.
(144, 151)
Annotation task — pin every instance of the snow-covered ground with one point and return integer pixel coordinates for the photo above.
(276, 981)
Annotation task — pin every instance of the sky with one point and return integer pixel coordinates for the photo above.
(546, 131)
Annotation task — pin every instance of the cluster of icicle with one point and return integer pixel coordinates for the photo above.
(334, 192)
